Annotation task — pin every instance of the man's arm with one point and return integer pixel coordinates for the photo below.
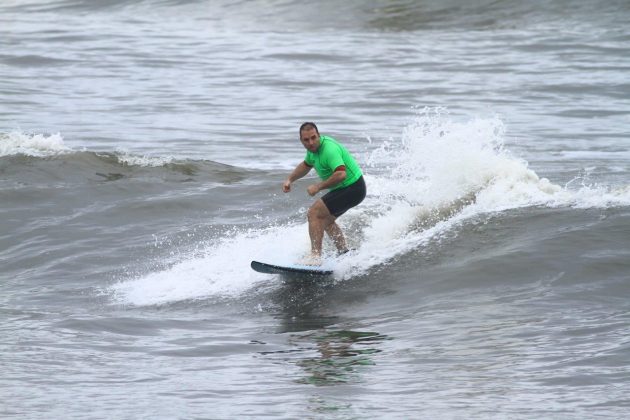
(299, 171)
(338, 176)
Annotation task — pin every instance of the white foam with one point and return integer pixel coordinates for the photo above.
(440, 170)
(37, 145)
(438, 163)
(223, 271)
(127, 158)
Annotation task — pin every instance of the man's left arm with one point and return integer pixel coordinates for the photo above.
(336, 178)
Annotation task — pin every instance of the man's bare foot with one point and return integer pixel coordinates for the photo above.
(311, 259)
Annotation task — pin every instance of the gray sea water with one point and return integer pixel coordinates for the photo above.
(143, 145)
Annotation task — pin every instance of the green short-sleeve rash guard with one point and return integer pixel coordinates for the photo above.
(329, 157)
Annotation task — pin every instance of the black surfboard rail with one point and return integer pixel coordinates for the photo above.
(266, 268)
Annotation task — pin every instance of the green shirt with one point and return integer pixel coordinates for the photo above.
(329, 157)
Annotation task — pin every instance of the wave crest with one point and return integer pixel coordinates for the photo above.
(37, 145)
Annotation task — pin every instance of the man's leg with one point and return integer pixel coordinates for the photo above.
(319, 219)
(334, 231)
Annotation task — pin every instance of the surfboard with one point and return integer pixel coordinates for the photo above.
(311, 270)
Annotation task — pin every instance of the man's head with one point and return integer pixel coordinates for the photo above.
(309, 136)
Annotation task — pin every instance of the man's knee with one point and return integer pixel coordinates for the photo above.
(318, 211)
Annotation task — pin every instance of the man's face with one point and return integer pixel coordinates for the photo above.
(310, 139)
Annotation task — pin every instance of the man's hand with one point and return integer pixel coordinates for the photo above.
(313, 189)
(286, 187)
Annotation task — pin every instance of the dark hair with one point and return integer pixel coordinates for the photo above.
(308, 126)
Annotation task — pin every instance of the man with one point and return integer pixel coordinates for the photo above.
(341, 174)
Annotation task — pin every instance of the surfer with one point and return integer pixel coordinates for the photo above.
(340, 174)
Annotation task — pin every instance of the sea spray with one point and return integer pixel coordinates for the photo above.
(223, 270)
(442, 173)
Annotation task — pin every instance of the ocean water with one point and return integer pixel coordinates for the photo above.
(143, 146)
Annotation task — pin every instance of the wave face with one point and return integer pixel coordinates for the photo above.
(439, 178)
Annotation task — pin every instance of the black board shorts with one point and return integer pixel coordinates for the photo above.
(340, 201)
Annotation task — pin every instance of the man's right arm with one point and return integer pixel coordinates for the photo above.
(299, 171)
